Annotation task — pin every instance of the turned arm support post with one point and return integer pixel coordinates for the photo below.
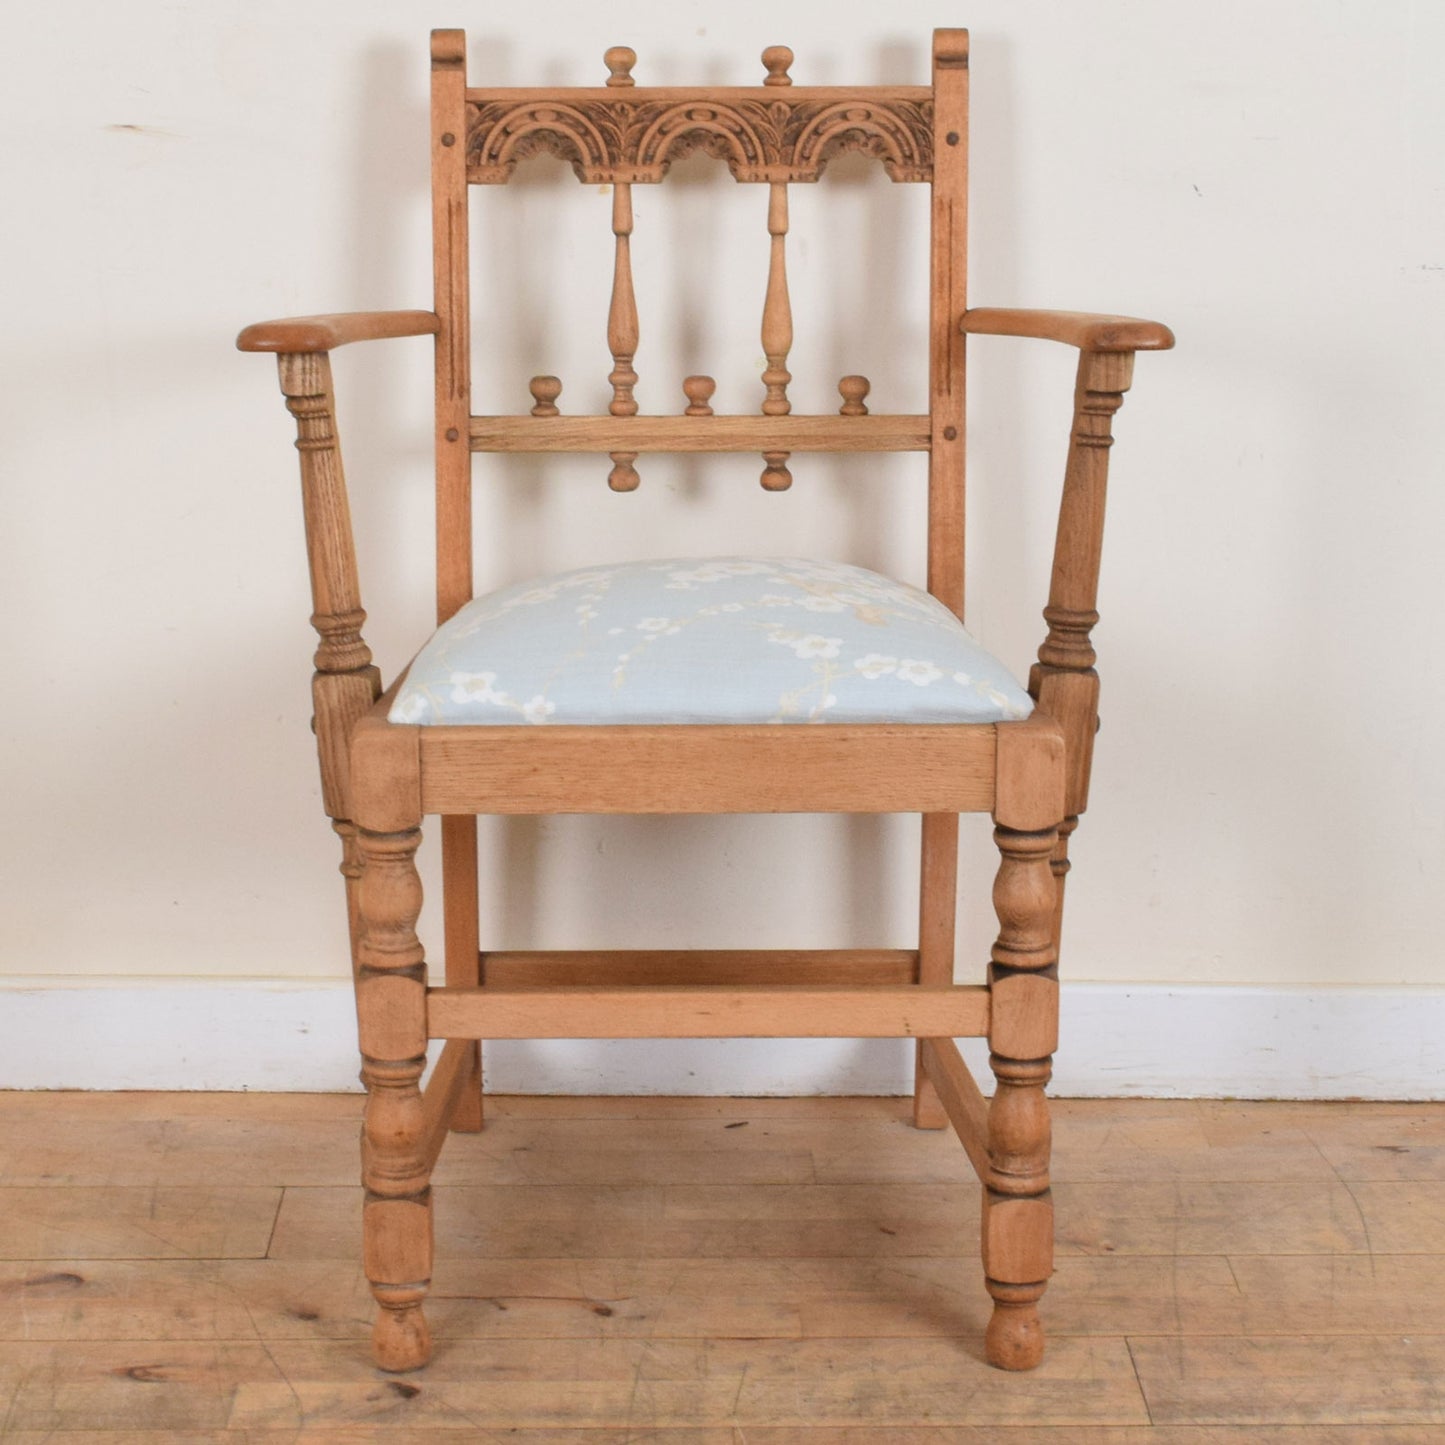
(346, 682)
(1063, 682)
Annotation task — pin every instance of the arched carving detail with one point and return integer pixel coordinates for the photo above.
(612, 141)
(903, 142)
(498, 136)
(723, 131)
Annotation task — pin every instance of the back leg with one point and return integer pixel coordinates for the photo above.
(937, 907)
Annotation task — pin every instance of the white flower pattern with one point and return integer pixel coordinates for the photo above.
(920, 674)
(740, 648)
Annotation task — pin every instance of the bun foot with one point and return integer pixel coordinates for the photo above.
(400, 1339)
(1015, 1338)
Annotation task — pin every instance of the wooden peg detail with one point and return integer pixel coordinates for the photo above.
(545, 391)
(619, 61)
(777, 333)
(622, 334)
(698, 390)
(776, 60)
(853, 389)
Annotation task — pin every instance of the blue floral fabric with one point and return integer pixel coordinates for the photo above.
(707, 640)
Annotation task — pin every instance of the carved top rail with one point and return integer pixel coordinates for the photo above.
(775, 132)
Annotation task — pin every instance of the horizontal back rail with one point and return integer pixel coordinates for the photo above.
(621, 134)
(700, 434)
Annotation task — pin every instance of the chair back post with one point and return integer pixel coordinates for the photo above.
(453, 342)
(947, 300)
(454, 582)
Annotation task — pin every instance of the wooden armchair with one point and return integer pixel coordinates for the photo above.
(896, 730)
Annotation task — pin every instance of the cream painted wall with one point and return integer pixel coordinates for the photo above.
(1268, 179)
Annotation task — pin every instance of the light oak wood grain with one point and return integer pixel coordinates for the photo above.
(378, 779)
(833, 768)
(878, 433)
(702, 966)
(692, 1011)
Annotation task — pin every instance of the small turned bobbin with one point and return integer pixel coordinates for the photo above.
(545, 391)
(623, 477)
(619, 61)
(777, 59)
(776, 477)
(698, 390)
(853, 389)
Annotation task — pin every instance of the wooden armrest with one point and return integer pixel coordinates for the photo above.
(299, 334)
(1075, 328)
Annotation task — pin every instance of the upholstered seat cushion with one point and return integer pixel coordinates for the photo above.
(707, 640)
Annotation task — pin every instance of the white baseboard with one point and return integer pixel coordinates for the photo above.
(1118, 1040)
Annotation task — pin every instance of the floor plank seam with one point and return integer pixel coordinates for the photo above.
(1139, 1381)
(275, 1220)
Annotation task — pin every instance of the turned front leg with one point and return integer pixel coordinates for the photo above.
(1018, 1214)
(391, 1013)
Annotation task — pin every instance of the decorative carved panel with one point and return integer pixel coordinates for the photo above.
(610, 140)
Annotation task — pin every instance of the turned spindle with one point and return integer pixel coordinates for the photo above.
(622, 334)
(391, 1013)
(777, 333)
(698, 390)
(545, 391)
(346, 682)
(619, 61)
(776, 60)
(1023, 1033)
(853, 389)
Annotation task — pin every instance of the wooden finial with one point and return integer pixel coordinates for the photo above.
(853, 389)
(623, 476)
(776, 477)
(545, 391)
(620, 60)
(448, 49)
(777, 59)
(950, 49)
(698, 390)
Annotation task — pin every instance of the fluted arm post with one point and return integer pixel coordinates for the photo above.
(346, 682)
(1064, 681)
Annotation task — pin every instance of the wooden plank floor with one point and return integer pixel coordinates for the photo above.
(720, 1272)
